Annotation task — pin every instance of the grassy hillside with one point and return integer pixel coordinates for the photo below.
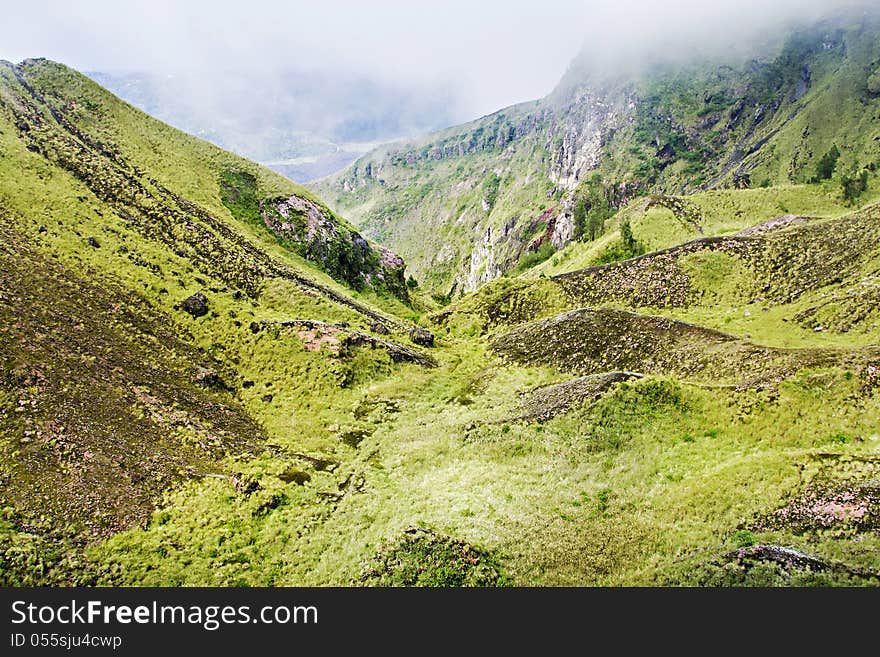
(186, 398)
(140, 311)
(122, 156)
(505, 192)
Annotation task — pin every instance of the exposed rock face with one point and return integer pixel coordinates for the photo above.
(482, 266)
(577, 140)
(563, 226)
(390, 260)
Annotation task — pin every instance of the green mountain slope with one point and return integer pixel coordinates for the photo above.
(504, 192)
(121, 156)
(198, 388)
(142, 269)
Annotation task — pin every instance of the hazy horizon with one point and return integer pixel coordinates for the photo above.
(272, 80)
(492, 54)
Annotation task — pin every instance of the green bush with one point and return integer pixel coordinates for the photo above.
(490, 189)
(422, 557)
(591, 209)
(531, 258)
(623, 249)
(874, 82)
(743, 539)
(826, 166)
(853, 186)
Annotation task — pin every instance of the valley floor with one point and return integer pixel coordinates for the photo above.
(713, 459)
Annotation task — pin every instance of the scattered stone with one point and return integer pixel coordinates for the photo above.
(784, 556)
(93, 242)
(207, 377)
(421, 337)
(379, 327)
(547, 402)
(843, 498)
(247, 384)
(255, 327)
(41, 229)
(267, 397)
(196, 305)
(317, 335)
(238, 294)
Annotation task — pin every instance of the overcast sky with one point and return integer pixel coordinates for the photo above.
(497, 51)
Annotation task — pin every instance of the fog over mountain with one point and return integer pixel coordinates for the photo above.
(304, 124)
(309, 87)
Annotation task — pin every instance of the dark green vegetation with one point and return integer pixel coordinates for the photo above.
(421, 557)
(207, 381)
(797, 111)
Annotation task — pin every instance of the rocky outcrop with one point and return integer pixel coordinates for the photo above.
(314, 232)
(483, 265)
(422, 337)
(339, 339)
(577, 138)
(343, 253)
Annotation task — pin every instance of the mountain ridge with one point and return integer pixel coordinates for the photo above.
(673, 129)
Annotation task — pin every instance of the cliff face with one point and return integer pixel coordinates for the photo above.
(583, 128)
(673, 128)
(465, 204)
